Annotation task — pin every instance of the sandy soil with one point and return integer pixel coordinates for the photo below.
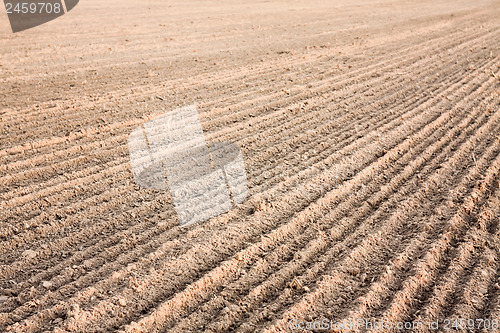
(370, 133)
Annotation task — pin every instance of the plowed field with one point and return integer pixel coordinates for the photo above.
(370, 132)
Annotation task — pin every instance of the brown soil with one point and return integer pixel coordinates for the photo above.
(371, 137)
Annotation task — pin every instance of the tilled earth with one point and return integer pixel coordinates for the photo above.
(370, 132)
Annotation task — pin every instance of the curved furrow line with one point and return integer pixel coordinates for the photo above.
(365, 194)
(339, 234)
(401, 266)
(478, 217)
(472, 299)
(229, 75)
(71, 263)
(340, 280)
(242, 108)
(473, 303)
(427, 268)
(394, 109)
(475, 243)
(88, 131)
(161, 311)
(492, 306)
(65, 177)
(401, 133)
(59, 279)
(336, 306)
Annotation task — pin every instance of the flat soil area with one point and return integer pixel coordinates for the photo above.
(370, 132)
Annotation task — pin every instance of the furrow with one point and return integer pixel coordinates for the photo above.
(339, 280)
(364, 194)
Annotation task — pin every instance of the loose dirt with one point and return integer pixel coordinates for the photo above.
(371, 137)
